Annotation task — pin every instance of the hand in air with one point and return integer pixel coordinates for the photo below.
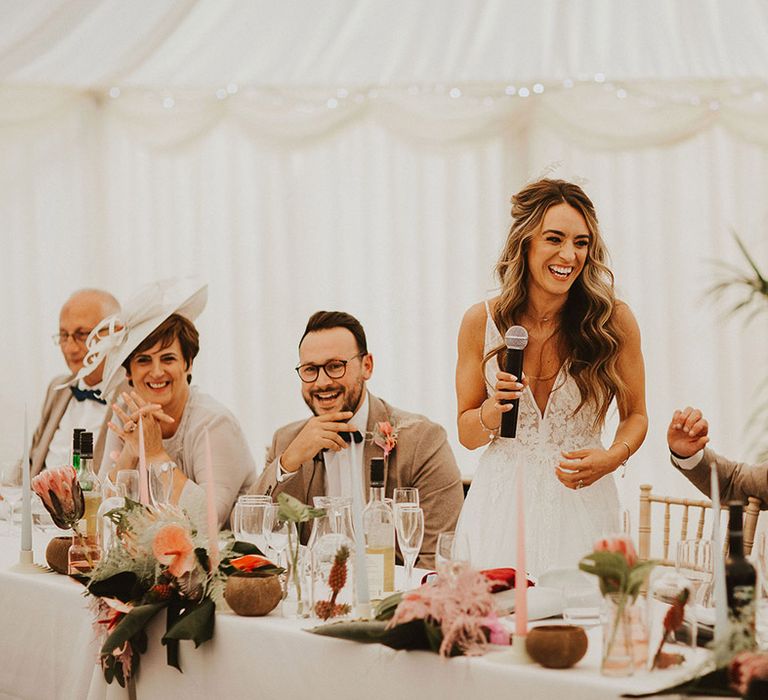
(688, 432)
(582, 468)
(320, 432)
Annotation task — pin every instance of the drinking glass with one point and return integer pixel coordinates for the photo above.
(452, 549)
(409, 525)
(249, 522)
(760, 558)
(161, 482)
(276, 530)
(694, 561)
(128, 479)
(10, 487)
(407, 494)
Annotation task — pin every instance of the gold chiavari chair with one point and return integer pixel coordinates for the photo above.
(692, 510)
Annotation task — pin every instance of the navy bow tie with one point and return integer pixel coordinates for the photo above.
(357, 436)
(348, 437)
(83, 394)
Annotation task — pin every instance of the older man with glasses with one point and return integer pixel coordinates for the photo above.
(71, 404)
(315, 456)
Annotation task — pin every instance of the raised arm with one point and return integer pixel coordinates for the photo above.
(479, 416)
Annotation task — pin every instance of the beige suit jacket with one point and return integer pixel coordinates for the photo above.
(737, 480)
(422, 458)
(56, 402)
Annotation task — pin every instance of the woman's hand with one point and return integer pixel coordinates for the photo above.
(507, 388)
(152, 414)
(585, 467)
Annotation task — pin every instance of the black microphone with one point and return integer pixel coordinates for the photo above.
(516, 338)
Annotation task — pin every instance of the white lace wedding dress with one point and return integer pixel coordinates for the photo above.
(561, 524)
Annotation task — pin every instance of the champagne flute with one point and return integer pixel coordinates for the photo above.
(406, 494)
(161, 482)
(409, 525)
(276, 530)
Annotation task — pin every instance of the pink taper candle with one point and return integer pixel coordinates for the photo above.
(143, 480)
(213, 517)
(521, 580)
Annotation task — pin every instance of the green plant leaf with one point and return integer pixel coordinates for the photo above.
(637, 576)
(133, 623)
(411, 635)
(386, 607)
(611, 568)
(293, 510)
(195, 623)
(125, 586)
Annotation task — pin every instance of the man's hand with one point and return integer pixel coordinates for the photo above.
(688, 432)
(320, 432)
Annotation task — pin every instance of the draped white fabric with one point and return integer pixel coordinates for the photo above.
(361, 156)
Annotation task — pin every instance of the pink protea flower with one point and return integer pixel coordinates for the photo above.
(746, 667)
(61, 495)
(173, 548)
(621, 544)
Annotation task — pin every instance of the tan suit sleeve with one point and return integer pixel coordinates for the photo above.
(435, 473)
(737, 480)
(266, 483)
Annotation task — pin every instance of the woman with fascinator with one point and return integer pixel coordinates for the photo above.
(152, 344)
(583, 352)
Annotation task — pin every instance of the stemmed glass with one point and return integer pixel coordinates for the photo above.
(10, 487)
(694, 562)
(406, 494)
(161, 482)
(128, 479)
(452, 550)
(276, 531)
(409, 525)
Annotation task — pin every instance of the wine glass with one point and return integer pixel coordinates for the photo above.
(694, 562)
(10, 487)
(161, 482)
(276, 530)
(249, 522)
(406, 494)
(128, 479)
(409, 525)
(452, 549)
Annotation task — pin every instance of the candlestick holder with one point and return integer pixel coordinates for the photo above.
(26, 564)
(518, 654)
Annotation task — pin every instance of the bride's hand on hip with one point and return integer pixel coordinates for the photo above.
(582, 468)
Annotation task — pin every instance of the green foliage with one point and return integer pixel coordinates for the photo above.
(294, 511)
(132, 624)
(196, 623)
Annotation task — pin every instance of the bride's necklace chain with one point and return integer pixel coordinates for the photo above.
(555, 332)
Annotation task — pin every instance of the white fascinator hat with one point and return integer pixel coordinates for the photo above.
(117, 336)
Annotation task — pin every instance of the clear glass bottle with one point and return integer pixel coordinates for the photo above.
(85, 552)
(379, 529)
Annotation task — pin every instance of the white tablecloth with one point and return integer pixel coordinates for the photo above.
(48, 649)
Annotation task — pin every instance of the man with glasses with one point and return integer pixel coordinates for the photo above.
(78, 404)
(314, 457)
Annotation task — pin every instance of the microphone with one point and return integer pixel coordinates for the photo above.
(516, 338)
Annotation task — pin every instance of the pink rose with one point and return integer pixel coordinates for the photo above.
(621, 544)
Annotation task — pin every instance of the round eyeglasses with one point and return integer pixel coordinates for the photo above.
(334, 369)
(62, 337)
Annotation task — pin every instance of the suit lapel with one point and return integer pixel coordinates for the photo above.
(61, 400)
(377, 412)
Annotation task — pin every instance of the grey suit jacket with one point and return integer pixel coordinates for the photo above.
(422, 458)
(56, 402)
(737, 480)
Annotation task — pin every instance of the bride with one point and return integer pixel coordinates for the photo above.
(583, 351)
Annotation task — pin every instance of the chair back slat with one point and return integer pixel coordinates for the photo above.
(647, 499)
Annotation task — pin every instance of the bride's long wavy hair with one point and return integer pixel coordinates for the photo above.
(591, 336)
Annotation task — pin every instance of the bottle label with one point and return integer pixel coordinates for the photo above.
(742, 618)
(374, 562)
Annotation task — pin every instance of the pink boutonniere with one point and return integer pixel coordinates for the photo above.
(385, 436)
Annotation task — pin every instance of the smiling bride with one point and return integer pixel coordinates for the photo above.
(583, 352)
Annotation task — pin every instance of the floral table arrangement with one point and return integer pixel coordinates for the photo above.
(161, 563)
(450, 615)
(621, 575)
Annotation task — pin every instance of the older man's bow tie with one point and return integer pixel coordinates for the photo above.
(357, 436)
(83, 394)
